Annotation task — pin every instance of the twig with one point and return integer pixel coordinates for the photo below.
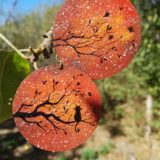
(10, 12)
(24, 50)
(44, 48)
(13, 47)
(19, 52)
(35, 65)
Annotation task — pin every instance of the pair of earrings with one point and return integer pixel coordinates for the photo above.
(58, 109)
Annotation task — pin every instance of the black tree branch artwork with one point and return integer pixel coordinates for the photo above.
(29, 113)
(89, 36)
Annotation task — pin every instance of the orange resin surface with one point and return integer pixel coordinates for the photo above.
(57, 110)
(100, 37)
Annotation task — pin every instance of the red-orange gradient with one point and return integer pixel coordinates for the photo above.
(57, 110)
(100, 37)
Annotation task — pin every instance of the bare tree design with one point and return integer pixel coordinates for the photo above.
(90, 37)
(54, 118)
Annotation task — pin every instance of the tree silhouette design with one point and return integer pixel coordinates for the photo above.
(53, 118)
(96, 35)
(107, 33)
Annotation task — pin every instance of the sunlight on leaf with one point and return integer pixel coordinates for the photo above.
(13, 70)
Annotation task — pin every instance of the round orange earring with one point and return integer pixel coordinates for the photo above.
(57, 110)
(98, 37)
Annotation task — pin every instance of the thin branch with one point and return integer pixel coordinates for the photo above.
(10, 12)
(35, 65)
(24, 50)
(13, 47)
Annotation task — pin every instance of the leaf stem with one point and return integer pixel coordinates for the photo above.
(35, 66)
(13, 47)
(24, 50)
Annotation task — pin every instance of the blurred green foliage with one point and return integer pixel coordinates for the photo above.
(28, 30)
(62, 158)
(106, 148)
(93, 154)
(13, 69)
(88, 154)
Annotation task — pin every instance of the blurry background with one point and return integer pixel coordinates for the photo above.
(130, 125)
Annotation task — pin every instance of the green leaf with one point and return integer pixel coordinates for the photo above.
(13, 69)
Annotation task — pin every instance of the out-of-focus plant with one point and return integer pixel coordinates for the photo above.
(88, 154)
